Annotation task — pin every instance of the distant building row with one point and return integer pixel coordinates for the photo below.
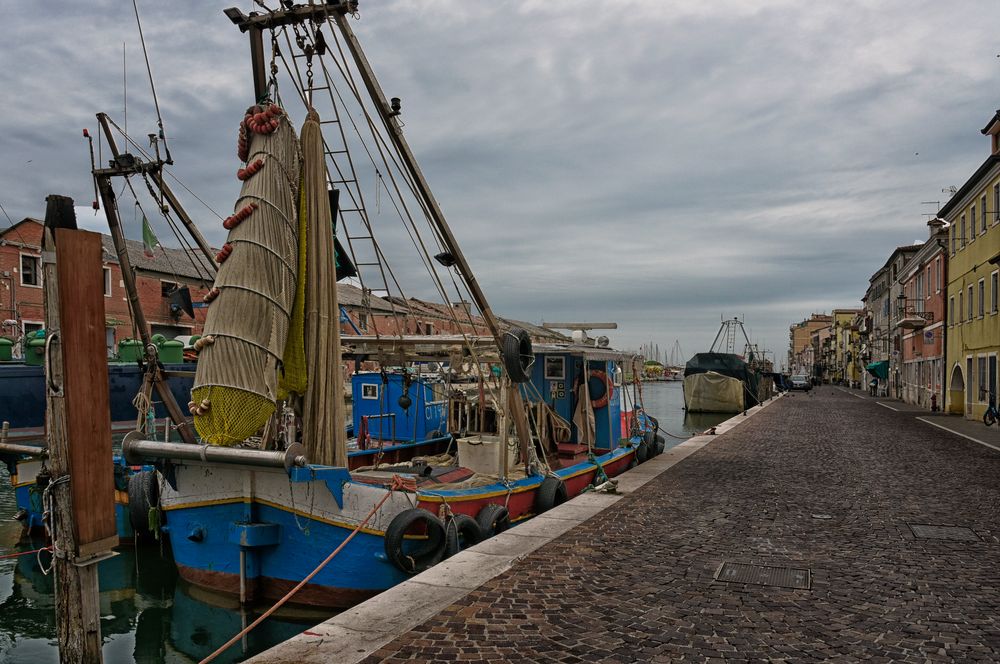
(928, 330)
(22, 312)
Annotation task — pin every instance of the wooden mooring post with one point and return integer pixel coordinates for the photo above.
(79, 500)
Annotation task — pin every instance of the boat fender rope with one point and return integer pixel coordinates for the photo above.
(207, 340)
(397, 483)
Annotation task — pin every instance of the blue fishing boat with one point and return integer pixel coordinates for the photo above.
(271, 499)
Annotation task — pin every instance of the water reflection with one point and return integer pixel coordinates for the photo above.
(148, 615)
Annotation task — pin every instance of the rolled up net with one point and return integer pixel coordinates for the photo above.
(246, 329)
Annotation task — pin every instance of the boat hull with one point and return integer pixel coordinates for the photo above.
(712, 392)
(285, 526)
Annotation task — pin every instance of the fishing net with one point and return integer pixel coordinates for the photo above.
(324, 439)
(294, 376)
(246, 329)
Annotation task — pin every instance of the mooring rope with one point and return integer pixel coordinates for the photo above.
(398, 482)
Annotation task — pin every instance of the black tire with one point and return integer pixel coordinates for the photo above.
(989, 418)
(552, 492)
(418, 555)
(517, 355)
(661, 444)
(461, 532)
(143, 494)
(493, 519)
(642, 452)
(649, 438)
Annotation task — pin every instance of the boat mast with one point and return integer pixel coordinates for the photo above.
(103, 177)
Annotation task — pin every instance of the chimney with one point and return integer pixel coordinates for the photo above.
(935, 225)
(992, 129)
(464, 305)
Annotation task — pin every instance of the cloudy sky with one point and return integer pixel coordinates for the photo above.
(656, 163)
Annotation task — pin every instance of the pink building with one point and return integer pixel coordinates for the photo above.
(920, 312)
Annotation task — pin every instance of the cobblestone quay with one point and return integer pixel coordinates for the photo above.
(827, 483)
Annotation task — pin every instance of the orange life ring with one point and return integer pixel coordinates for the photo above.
(609, 389)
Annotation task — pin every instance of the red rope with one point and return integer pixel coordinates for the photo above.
(26, 553)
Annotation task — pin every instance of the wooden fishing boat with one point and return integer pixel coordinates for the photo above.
(265, 497)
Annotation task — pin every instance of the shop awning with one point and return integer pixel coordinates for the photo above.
(879, 369)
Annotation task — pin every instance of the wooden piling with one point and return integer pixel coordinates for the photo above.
(80, 498)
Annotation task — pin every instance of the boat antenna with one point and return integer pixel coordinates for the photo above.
(124, 90)
(152, 86)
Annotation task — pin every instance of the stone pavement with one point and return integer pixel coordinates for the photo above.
(827, 483)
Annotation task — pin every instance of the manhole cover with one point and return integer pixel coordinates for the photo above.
(764, 575)
(958, 533)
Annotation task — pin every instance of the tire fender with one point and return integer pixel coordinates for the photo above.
(461, 532)
(422, 554)
(517, 354)
(493, 519)
(552, 492)
(143, 494)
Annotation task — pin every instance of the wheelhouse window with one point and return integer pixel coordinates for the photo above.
(31, 270)
(369, 390)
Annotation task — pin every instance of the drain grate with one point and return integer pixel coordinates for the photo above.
(764, 575)
(955, 533)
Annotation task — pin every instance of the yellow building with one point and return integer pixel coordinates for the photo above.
(973, 324)
(845, 340)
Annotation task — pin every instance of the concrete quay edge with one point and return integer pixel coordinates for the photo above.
(352, 635)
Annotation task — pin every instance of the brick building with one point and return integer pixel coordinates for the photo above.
(22, 306)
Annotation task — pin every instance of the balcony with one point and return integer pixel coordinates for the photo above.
(912, 319)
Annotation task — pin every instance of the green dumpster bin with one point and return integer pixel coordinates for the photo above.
(129, 350)
(34, 351)
(172, 351)
(6, 349)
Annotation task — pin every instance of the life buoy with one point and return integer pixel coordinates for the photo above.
(609, 389)
(423, 553)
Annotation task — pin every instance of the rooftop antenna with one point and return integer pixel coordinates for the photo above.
(936, 204)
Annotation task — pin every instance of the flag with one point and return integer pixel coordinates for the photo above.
(149, 241)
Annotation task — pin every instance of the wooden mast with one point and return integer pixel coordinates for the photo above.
(108, 199)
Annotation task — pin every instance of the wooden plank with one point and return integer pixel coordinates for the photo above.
(88, 421)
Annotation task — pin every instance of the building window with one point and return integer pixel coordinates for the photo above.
(107, 282)
(961, 236)
(971, 303)
(982, 378)
(937, 275)
(167, 288)
(428, 329)
(993, 292)
(31, 270)
(363, 322)
(982, 214)
(972, 224)
(982, 297)
(996, 203)
(951, 310)
(961, 307)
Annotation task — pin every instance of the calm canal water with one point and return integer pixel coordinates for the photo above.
(149, 616)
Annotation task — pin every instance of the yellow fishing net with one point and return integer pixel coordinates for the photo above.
(247, 327)
(295, 378)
